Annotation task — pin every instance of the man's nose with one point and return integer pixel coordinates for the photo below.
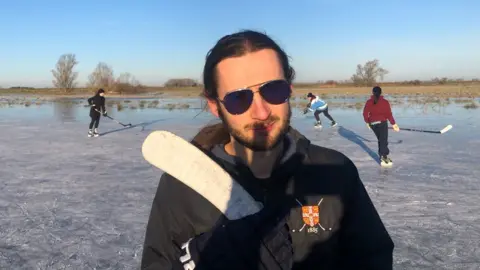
(260, 109)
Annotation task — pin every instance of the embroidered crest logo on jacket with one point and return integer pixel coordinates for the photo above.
(311, 217)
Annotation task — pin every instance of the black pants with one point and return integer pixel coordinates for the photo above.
(381, 131)
(95, 120)
(325, 112)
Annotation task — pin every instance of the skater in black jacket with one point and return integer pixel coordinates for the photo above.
(317, 213)
(97, 108)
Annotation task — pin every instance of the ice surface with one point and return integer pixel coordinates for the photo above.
(72, 202)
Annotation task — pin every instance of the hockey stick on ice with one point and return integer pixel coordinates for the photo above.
(190, 165)
(445, 129)
(125, 125)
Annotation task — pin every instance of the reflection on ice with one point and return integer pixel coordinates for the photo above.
(68, 200)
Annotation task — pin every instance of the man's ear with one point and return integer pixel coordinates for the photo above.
(213, 106)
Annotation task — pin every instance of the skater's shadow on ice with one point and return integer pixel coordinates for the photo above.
(359, 140)
(142, 125)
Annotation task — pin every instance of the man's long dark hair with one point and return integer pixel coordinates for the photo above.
(235, 45)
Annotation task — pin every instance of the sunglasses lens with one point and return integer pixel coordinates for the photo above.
(276, 92)
(238, 102)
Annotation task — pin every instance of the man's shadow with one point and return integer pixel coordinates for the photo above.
(143, 125)
(359, 140)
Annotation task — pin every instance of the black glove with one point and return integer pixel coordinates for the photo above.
(223, 246)
(259, 239)
(305, 111)
(105, 113)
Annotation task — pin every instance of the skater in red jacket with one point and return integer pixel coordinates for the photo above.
(376, 112)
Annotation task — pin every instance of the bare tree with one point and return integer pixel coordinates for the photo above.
(101, 77)
(127, 78)
(441, 81)
(64, 76)
(368, 74)
(127, 83)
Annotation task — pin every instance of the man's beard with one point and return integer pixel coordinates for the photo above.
(257, 144)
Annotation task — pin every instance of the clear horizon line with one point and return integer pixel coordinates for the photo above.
(317, 83)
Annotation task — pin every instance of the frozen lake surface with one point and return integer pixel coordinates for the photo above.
(72, 202)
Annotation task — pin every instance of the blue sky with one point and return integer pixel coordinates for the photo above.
(158, 39)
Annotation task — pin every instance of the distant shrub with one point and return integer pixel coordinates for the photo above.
(153, 104)
(182, 82)
(331, 82)
(412, 82)
(440, 81)
(472, 105)
(22, 87)
(169, 106)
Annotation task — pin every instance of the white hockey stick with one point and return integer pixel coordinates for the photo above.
(182, 160)
(445, 129)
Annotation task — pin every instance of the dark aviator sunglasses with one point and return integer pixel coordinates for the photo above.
(274, 92)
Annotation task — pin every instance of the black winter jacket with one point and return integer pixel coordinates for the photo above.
(99, 105)
(317, 215)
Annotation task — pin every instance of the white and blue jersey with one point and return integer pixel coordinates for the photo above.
(318, 105)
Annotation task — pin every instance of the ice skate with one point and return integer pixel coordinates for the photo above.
(386, 161)
(318, 125)
(95, 133)
(90, 133)
(334, 124)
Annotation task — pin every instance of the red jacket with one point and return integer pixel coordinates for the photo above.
(378, 112)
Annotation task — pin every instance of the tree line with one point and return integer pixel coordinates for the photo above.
(64, 77)
(102, 76)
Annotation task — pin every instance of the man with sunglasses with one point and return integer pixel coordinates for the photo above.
(317, 213)
(318, 106)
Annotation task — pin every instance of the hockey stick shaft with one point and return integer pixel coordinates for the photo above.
(447, 128)
(418, 130)
(125, 125)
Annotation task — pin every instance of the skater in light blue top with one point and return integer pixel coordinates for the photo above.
(318, 106)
